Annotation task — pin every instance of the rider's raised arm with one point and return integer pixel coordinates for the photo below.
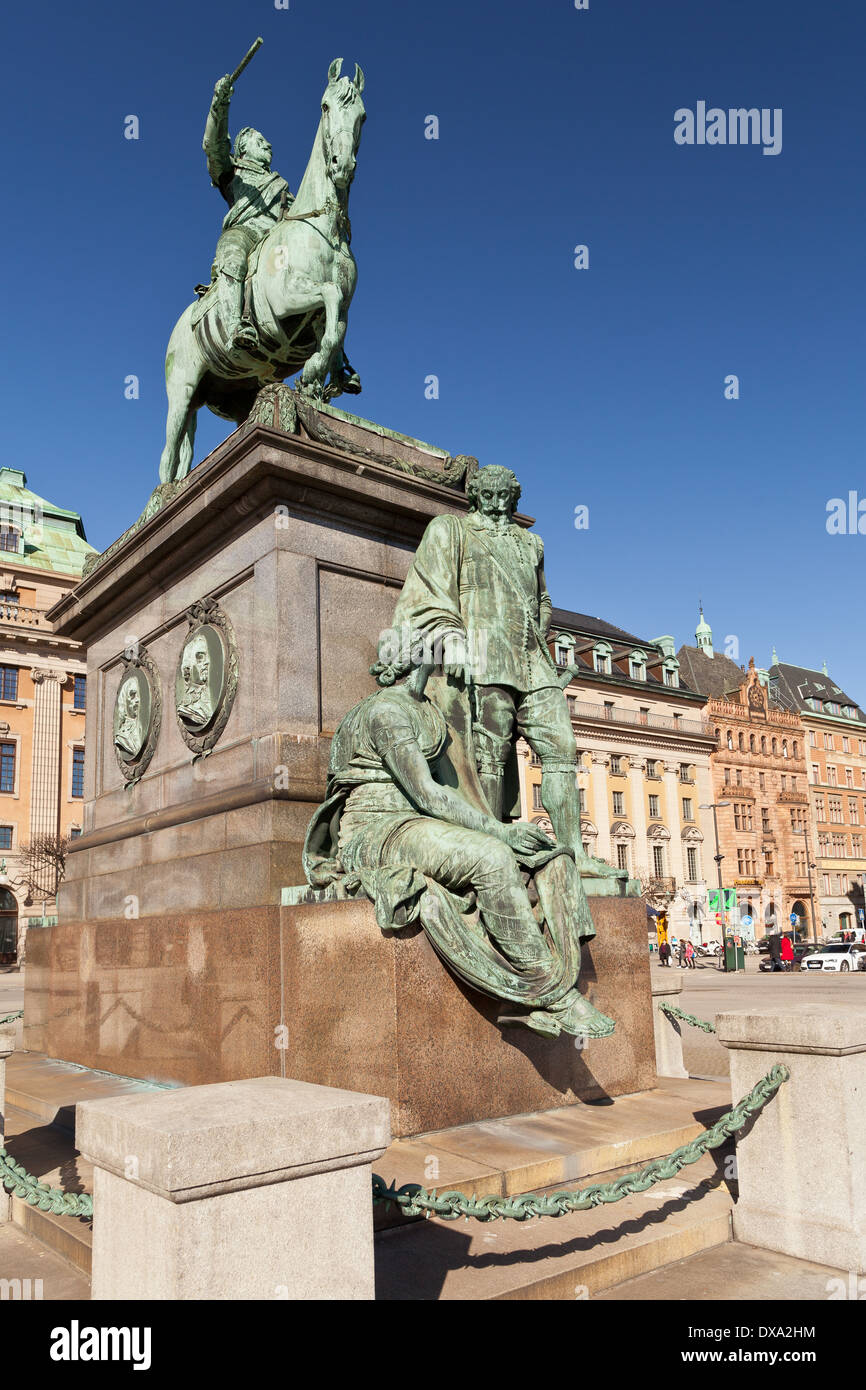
(216, 143)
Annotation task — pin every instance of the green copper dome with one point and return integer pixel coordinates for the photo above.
(48, 537)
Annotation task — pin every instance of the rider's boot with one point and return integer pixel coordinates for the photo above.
(240, 334)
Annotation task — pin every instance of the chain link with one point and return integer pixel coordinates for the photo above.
(673, 1012)
(413, 1200)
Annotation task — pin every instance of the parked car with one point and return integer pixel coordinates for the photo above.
(801, 950)
(839, 956)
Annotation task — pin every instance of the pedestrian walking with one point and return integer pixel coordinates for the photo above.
(775, 952)
(787, 953)
(681, 955)
(690, 955)
(665, 954)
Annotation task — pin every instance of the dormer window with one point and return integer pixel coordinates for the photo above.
(10, 538)
(672, 672)
(637, 666)
(601, 658)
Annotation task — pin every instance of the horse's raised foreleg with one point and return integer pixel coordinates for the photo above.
(316, 368)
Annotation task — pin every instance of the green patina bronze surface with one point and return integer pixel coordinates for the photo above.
(283, 274)
(418, 815)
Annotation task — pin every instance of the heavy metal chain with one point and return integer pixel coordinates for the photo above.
(20, 1183)
(673, 1012)
(413, 1200)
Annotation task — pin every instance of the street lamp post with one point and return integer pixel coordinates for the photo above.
(809, 867)
(718, 856)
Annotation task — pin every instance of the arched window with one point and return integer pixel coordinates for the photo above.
(741, 743)
(718, 736)
(775, 748)
(784, 748)
(672, 671)
(637, 665)
(752, 743)
(796, 749)
(730, 741)
(763, 744)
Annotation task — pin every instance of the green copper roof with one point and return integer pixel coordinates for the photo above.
(52, 538)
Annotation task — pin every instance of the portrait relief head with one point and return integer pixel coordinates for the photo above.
(200, 678)
(131, 714)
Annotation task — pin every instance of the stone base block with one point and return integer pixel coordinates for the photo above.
(318, 993)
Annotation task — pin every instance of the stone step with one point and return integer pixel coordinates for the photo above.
(48, 1152)
(564, 1147)
(41, 1273)
(736, 1273)
(49, 1090)
(570, 1257)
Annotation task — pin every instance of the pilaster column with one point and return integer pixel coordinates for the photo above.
(636, 770)
(45, 783)
(601, 812)
(673, 820)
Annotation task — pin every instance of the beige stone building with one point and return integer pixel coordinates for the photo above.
(835, 728)
(42, 701)
(759, 786)
(644, 767)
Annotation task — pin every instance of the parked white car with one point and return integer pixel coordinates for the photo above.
(840, 956)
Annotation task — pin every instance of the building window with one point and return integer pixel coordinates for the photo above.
(828, 740)
(615, 763)
(659, 861)
(5, 836)
(835, 807)
(643, 714)
(622, 856)
(763, 744)
(651, 767)
(852, 810)
(769, 863)
(784, 783)
(815, 774)
(618, 806)
(7, 767)
(536, 797)
(687, 808)
(831, 775)
(784, 748)
(857, 845)
(572, 704)
(79, 697)
(654, 807)
(8, 682)
(741, 742)
(685, 773)
(692, 863)
(849, 777)
(826, 881)
(601, 659)
(78, 772)
(74, 832)
(762, 782)
(727, 776)
(608, 709)
(765, 820)
(730, 741)
(813, 739)
(739, 776)
(9, 538)
(774, 747)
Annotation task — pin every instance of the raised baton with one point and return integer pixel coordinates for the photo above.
(247, 59)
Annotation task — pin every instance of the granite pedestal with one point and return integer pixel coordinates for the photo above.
(319, 993)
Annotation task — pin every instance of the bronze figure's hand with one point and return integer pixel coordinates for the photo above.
(223, 91)
(526, 839)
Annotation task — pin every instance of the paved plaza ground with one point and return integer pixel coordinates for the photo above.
(708, 991)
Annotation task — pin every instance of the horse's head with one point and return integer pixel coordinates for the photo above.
(343, 115)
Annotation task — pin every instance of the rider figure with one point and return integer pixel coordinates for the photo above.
(254, 193)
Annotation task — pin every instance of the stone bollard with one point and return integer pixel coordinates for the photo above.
(802, 1164)
(254, 1189)
(668, 1034)
(7, 1047)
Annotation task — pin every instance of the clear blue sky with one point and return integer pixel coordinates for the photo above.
(601, 387)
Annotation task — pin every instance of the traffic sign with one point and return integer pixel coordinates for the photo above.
(746, 921)
(794, 919)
